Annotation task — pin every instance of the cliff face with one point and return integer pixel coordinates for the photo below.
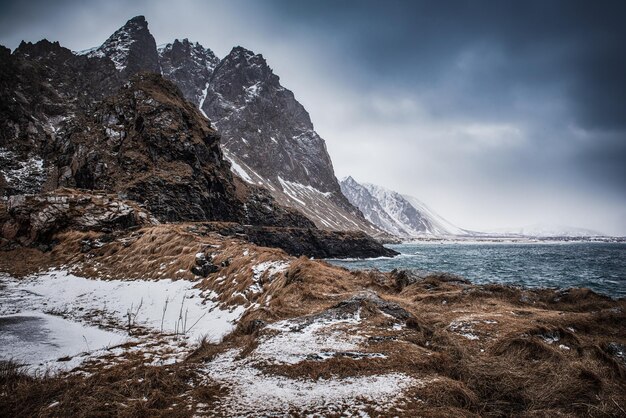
(266, 133)
(131, 48)
(105, 119)
(190, 66)
(269, 137)
(152, 146)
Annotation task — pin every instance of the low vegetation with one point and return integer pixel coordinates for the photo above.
(468, 350)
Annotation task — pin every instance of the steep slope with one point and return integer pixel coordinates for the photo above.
(152, 146)
(269, 138)
(267, 135)
(403, 216)
(42, 85)
(190, 66)
(131, 48)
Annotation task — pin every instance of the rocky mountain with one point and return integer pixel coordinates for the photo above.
(400, 215)
(86, 121)
(266, 133)
(190, 66)
(131, 48)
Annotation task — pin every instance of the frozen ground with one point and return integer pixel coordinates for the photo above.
(253, 391)
(45, 341)
(53, 315)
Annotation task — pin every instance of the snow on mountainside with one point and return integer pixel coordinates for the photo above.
(131, 48)
(190, 65)
(267, 135)
(400, 215)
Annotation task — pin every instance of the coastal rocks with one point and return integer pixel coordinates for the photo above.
(34, 219)
(311, 242)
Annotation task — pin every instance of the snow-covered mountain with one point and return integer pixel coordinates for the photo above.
(549, 231)
(400, 215)
(131, 48)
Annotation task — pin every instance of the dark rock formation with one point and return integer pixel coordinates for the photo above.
(131, 48)
(311, 242)
(152, 146)
(34, 219)
(190, 66)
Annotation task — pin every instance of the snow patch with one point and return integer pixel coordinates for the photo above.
(164, 305)
(203, 98)
(253, 392)
(237, 169)
(293, 342)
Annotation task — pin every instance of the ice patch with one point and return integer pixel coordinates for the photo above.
(40, 340)
(165, 305)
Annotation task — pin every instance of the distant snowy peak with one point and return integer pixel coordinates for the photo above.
(403, 216)
(550, 231)
(131, 48)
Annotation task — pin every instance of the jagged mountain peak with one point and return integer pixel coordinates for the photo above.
(349, 180)
(132, 48)
(252, 67)
(190, 65)
(39, 49)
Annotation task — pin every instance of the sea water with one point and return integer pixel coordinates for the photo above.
(598, 266)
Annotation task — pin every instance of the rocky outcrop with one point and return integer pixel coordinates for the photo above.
(34, 219)
(311, 242)
(42, 86)
(190, 66)
(152, 146)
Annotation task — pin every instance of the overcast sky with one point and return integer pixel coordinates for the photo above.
(496, 114)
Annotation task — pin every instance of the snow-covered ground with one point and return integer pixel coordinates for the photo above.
(253, 391)
(72, 314)
(45, 341)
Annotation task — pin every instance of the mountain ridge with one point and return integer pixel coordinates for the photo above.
(400, 215)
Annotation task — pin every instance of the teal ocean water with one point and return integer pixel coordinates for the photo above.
(598, 266)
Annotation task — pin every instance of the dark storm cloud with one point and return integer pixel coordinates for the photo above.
(577, 44)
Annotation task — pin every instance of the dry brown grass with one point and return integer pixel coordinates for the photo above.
(517, 366)
(127, 390)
